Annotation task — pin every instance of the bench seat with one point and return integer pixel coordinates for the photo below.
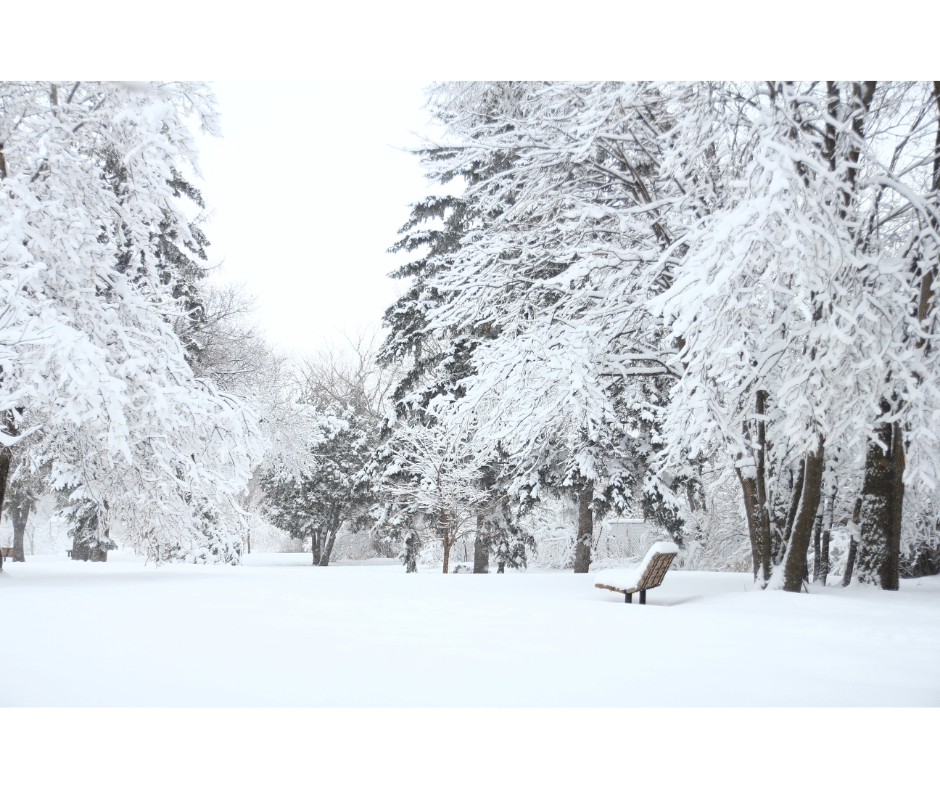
(649, 573)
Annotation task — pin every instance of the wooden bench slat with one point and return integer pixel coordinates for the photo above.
(652, 577)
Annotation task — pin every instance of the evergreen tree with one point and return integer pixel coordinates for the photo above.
(334, 492)
(578, 455)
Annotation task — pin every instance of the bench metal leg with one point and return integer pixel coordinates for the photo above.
(628, 598)
(642, 596)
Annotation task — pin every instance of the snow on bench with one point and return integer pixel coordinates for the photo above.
(647, 574)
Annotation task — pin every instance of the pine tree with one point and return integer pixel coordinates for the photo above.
(334, 492)
(437, 362)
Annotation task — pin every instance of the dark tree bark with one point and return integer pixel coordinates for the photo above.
(4, 475)
(315, 546)
(794, 568)
(824, 557)
(326, 551)
(412, 545)
(897, 505)
(882, 499)
(6, 457)
(853, 545)
(445, 534)
(19, 516)
(582, 553)
(481, 548)
(850, 561)
(795, 497)
(752, 514)
(328, 537)
(764, 521)
(817, 546)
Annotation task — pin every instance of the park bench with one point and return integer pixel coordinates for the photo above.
(647, 574)
(6, 552)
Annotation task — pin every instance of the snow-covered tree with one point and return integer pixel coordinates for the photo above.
(430, 484)
(89, 181)
(332, 492)
(765, 251)
(26, 485)
(512, 287)
(346, 374)
(795, 314)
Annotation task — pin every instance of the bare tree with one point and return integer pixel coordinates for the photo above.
(344, 374)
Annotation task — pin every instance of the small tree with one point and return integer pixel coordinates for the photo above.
(433, 481)
(316, 503)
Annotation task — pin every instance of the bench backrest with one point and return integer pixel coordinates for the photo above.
(655, 570)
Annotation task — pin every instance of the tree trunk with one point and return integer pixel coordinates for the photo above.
(315, 546)
(19, 516)
(824, 557)
(897, 506)
(582, 553)
(850, 561)
(326, 549)
(882, 498)
(798, 545)
(481, 548)
(411, 552)
(693, 504)
(853, 545)
(752, 514)
(6, 456)
(446, 538)
(796, 497)
(764, 521)
(817, 546)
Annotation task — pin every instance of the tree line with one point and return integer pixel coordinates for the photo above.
(631, 296)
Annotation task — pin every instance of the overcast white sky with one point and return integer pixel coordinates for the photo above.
(307, 191)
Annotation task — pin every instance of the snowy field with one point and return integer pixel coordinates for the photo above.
(278, 632)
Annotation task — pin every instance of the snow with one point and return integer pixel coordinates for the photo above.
(278, 632)
(627, 577)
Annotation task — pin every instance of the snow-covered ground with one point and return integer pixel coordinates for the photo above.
(278, 632)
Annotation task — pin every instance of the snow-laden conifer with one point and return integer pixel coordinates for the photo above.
(89, 188)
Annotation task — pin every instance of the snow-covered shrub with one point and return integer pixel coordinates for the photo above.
(220, 543)
(360, 546)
